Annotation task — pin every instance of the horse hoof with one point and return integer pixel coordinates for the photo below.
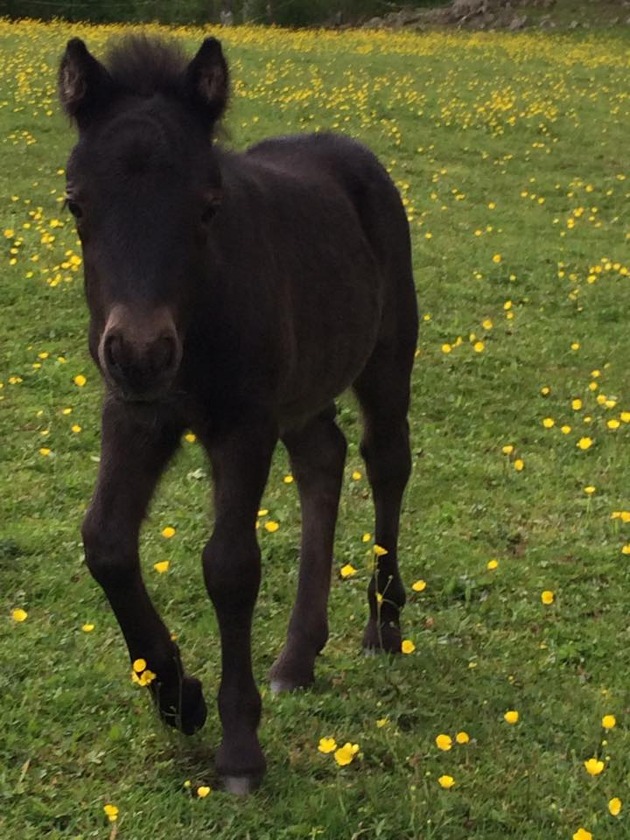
(194, 711)
(383, 639)
(241, 785)
(282, 685)
(188, 712)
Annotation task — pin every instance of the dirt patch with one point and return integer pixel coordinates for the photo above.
(509, 14)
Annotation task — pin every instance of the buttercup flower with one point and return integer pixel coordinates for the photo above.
(327, 745)
(345, 755)
(614, 806)
(111, 812)
(594, 766)
(444, 742)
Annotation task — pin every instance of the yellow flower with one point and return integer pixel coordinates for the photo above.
(357, 476)
(345, 755)
(168, 532)
(519, 465)
(545, 390)
(582, 834)
(19, 615)
(547, 597)
(479, 346)
(327, 745)
(288, 479)
(497, 258)
(625, 549)
(79, 380)
(446, 782)
(609, 721)
(507, 449)
(379, 550)
(87, 628)
(189, 437)
(139, 665)
(585, 443)
(381, 722)
(145, 678)
(446, 348)
(111, 812)
(549, 422)
(407, 646)
(491, 565)
(263, 512)
(594, 766)
(203, 791)
(576, 404)
(347, 571)
(272, 526)
(565, 429)
(614, 806)
(589, 490)
(162, 566)
(511, 716)
(45, 451)
(366, 538)
(575, 345)
(76, 428)
(613, 424)
(419, 585)
(444, 742)
(462, 737)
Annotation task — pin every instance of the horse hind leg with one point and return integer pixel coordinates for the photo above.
(383, 393)
(317, 452)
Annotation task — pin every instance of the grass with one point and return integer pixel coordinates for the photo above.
(513, 163)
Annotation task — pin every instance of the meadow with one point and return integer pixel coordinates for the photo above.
(510, 714)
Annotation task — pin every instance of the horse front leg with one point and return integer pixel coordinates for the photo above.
(231, 562)
(136, 447)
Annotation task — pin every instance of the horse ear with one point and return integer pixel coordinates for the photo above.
(207, 79)
(83, 82)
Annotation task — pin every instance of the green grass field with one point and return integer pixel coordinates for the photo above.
(511, 153)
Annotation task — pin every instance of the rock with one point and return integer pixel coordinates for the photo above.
(517, 23)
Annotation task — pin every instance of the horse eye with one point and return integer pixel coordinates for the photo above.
(210, 209)
(74, 208)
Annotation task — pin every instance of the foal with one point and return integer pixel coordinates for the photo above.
(236, 295)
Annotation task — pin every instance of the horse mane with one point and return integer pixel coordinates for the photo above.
(146, 66)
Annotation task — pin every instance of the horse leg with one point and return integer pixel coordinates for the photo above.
(231, 562)
(134, 454)
(317, 452)
(383, 392)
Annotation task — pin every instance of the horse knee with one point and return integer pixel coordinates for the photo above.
(110, 556)
(231, 568)
(388, 456)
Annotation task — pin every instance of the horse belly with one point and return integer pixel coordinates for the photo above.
(333, 334)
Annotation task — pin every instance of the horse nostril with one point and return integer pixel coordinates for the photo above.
(112, 351)
(163, 354)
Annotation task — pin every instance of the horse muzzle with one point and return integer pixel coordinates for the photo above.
(140, 352)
